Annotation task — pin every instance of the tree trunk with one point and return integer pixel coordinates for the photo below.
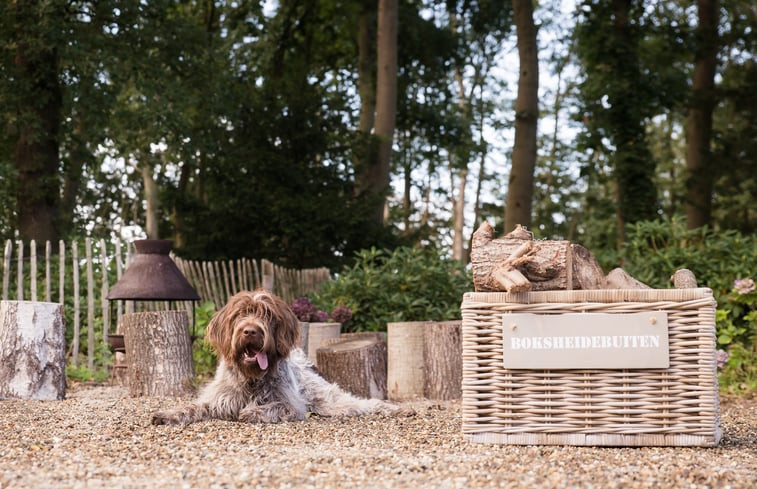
(373, 181)
(458, 239)
(36, 64)
(699, 122)
(151, 199)
(366, 81)
(357, 363)
(545, 265)
(520, 187)
(443, 360)
(159, 353)
(32, 350)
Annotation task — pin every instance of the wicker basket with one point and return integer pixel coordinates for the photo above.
(675, 406)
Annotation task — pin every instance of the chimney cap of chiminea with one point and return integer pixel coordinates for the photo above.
(153, 276)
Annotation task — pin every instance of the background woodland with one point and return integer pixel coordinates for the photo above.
(303, 131)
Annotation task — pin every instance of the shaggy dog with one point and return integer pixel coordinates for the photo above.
(262, 377)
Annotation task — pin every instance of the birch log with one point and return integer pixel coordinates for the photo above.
(405, 378)
(32, 350)
(158, 353)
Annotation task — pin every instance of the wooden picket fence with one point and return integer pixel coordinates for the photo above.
(83, 278)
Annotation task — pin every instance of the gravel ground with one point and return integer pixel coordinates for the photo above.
(99, 437)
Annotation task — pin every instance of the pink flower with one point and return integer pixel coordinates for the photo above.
(721, 357)
(743, 285)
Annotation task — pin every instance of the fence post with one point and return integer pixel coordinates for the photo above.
(20, 284)
(48, 248)
(7, 268)
(90, 306)
(33, 270)
(77, 326)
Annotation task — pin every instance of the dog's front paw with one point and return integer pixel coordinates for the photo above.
(165, 417)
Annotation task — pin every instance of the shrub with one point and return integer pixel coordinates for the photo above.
(724, 261)
(654, 250)
(406, 284)
(203, 355)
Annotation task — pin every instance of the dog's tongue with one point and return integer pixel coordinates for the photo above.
(262, 360)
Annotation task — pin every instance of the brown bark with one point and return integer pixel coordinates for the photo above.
(620, 279)
(521, 182)
(159, 353)
(546, 265)
(699, 121)
(36, 150)
(357, 363)
(32, 350)
(443, 360)
(684, 279)
(152, 204)
(373, 180)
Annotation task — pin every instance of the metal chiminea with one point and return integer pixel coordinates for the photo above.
(153, 276)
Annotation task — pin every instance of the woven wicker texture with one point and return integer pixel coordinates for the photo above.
(652, 407)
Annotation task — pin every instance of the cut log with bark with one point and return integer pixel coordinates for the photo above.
(356, 362)
(32, 350)
(159, 353)
(443, 360)
(684, 279)
(620, 279)
(540, 265)
(424, 360)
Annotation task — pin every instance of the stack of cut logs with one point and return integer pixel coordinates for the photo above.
(518, 263)
(424, 358)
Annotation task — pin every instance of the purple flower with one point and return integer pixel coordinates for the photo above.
(721, 357)
(319, 316)
(303, 309)
(743, 285)
(341, 314)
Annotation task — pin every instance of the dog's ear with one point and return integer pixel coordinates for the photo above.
(287, 330)
(219, 330)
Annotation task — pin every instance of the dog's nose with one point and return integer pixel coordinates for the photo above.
(251, 332)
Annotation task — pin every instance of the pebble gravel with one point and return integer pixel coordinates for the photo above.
(99, 437)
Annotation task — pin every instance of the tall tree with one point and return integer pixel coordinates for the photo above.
(374, 180)
(618, 99)
(520, 187)
(35, 35)
(699, 123)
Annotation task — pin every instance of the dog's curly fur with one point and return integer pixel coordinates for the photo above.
(262, 377)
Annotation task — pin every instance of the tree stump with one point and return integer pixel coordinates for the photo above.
(32, 350)
(318, 334)
(517, 263)
(356, 362)
(405, 378)
(159, 353)
(443, 360)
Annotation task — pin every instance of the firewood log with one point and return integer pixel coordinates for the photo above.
(543, 265)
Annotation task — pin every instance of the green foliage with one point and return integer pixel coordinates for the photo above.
(656, 249)
(82, 373)
(203, 355)
(737, 332)
(739, 374)
(724, 261)
(407, 284)
(737, 315)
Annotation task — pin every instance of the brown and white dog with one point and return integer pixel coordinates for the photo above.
(262, 377)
